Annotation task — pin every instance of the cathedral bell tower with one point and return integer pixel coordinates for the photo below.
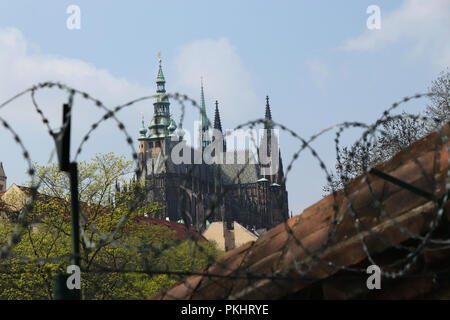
(162, 126)
(158, 128)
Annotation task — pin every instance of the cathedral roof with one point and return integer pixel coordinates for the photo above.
(232, 173)
(240, 173)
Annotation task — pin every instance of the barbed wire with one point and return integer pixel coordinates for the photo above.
(310, 258)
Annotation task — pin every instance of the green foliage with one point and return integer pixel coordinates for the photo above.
(134, 261)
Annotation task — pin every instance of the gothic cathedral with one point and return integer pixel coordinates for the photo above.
(203, 193)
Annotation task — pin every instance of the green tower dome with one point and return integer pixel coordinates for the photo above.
(142, 130)
(172, 127)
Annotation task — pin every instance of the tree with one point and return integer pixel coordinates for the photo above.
(396, 134)
(121, 258)
(439, 109)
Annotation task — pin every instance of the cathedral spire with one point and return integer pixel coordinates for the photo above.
(203, 117)
(268, 115)
(204, 139)
(160, 80)
(217, 123)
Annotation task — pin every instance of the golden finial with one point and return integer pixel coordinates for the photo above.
(159, 57)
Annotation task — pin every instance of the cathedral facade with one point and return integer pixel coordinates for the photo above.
(204, 192)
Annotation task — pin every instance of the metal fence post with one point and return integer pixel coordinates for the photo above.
(62, 139)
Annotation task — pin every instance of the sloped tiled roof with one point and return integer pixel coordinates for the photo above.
(279, 254)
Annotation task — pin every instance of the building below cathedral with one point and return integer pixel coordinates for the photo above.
(247, 194)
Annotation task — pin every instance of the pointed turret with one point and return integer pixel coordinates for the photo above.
(268, 115)
(266, 139)
(160, 81)
(143, 144)
(2, 178)
(142, 130)
(218, 125)
(268, 126)
(2, 171)
(204, 124)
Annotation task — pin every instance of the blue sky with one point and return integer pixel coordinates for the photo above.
(316, 60)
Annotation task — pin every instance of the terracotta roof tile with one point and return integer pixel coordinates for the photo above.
(180, 229)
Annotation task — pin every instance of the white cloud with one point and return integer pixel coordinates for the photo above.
(225, 79)
(20, 69)
(423, 25)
